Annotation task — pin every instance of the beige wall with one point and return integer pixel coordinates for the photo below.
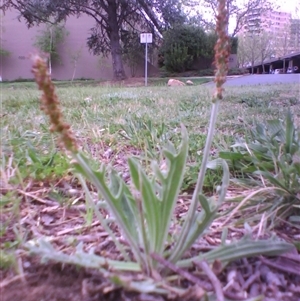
(19, 40)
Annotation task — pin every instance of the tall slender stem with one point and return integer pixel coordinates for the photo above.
(221, 62)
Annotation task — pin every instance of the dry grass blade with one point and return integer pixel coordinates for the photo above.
(213, 279)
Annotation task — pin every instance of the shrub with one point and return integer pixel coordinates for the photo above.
(237, 71)
(206, 72)
(233, 71)
(183, 45)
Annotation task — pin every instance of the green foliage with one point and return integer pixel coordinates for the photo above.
(146, 222)
(183, 45)
(178, 59)
(4, 52)
(34, 163)
(133, 50)
(145, 217)
(206, 72)
(7, 260)
(144, 214)
(144, 134)
(271, 153)
(237, 71)
(232, 71)
(49, 39)
(234, 45)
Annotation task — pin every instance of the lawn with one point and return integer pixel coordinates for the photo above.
(130, 82)
(42, 196)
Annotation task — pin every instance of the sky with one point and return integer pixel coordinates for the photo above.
(288, 6)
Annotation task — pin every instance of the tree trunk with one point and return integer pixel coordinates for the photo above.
(114, 36)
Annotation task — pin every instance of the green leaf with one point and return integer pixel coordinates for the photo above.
(290, 130)
(117, 200)
(43, 248)
(275, 129)
(134, 172)
(245, 247)
(273, 180)
(231, 156)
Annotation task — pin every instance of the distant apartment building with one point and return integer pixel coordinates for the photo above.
(270, 21)
(283, 31)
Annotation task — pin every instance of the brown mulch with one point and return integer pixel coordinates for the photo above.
(40, 214)
(56, 282)
(275, 278)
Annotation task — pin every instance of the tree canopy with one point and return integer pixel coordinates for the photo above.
(111, 18)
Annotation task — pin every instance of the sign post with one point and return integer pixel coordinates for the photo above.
(146, 38)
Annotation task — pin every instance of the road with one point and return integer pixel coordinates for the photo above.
(263, 79)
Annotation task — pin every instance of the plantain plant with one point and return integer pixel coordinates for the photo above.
(144, 213)
(270, 154)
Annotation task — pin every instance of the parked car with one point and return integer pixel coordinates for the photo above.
(278, 71)
(294, 69)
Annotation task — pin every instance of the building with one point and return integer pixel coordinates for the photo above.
(274, 33)
(292, 61)
(19, 41)
(271, 21)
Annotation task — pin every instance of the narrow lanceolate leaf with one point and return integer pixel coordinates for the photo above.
(118, 198)
(275, 129)
(244, 248)
(81, 258)
(159, 195)
(273, 180)
(171, 185)
(202, 220)
(290, 131)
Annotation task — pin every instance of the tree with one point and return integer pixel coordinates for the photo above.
(133, 50)
(295, 34)
(241, 53)
(3, 52)
(282, 42)
(248, 50)
(183, 44)
(74, 57)
(265, 48)
(49, 39)
(237, 11)
(111, 16)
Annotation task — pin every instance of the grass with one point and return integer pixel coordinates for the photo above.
(120, 119)
(113, 123)
(152, 81)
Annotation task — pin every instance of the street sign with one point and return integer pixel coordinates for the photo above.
(146, 38)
